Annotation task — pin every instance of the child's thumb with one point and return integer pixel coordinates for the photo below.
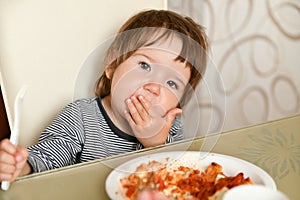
(172, 114)
(21, 154)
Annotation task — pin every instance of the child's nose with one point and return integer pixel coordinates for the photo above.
(153, 88)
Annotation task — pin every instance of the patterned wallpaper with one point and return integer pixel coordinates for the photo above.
(255, 48)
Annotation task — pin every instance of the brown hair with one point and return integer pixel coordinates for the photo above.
(138, 32)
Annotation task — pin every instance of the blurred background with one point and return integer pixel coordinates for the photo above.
(255, 45)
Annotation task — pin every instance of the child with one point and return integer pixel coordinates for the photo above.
(152, 65)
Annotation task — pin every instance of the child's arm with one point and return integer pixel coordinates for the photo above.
(60, 142)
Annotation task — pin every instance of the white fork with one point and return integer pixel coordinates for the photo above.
(14, 137)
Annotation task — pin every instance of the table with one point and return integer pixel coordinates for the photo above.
(274, 146)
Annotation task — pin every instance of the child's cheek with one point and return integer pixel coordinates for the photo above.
(125, 87)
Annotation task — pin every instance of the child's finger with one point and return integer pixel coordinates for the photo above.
(7, 158)
(143, 113)
(7, 168)
(21, 154)
(129, 119)
(5, 177)
(133, 112)
(146, 104)
(7, 146)
(170, 116)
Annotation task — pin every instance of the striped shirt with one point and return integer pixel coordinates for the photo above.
(81, 132)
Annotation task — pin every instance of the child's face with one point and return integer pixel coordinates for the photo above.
(151, 72)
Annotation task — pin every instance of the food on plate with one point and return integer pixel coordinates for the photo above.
(177, 181)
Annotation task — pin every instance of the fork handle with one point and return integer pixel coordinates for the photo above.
(5, 185)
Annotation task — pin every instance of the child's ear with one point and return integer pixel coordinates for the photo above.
(109, 71)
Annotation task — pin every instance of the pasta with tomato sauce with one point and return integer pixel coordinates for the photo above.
(181, 182)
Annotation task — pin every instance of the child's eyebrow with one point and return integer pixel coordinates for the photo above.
(149, 57)
(144, 55)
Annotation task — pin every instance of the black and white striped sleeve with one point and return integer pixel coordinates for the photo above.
(176, 131)
(60, 142)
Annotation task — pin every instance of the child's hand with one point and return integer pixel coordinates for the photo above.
(12, 160)
(148, 125)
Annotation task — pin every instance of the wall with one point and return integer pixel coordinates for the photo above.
(255, 48)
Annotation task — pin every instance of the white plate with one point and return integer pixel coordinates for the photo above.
(250, 192)
(197, 160)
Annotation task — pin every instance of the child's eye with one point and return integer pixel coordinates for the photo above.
(145, 66)
(172, 84)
